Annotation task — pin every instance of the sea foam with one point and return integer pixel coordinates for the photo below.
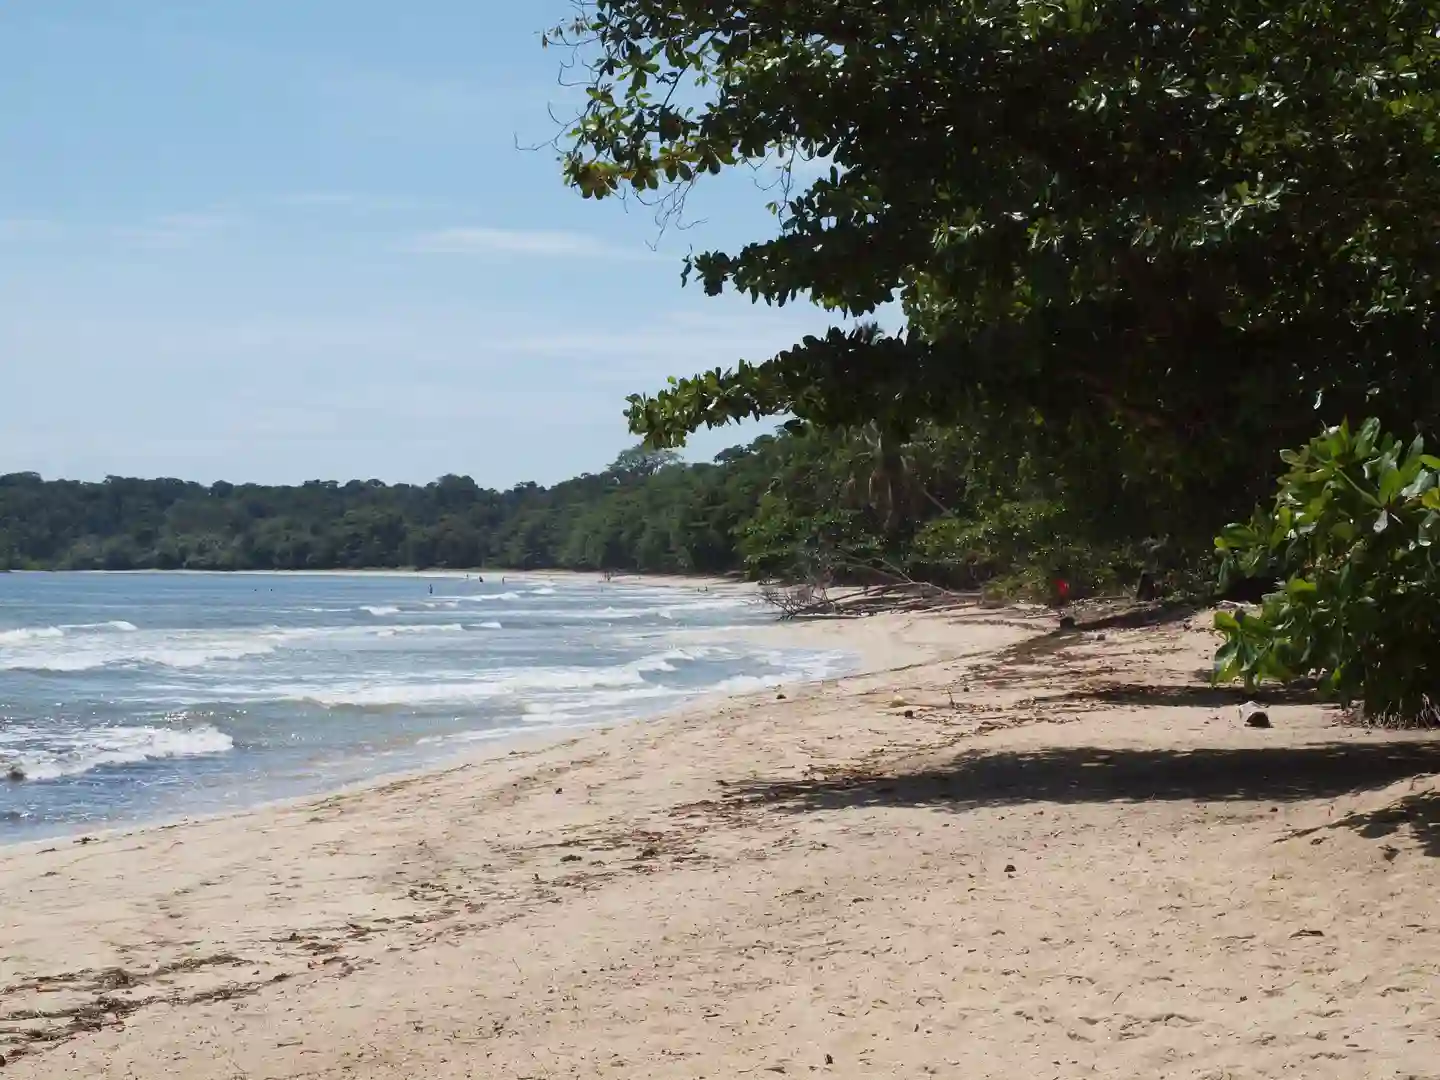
(76, 753)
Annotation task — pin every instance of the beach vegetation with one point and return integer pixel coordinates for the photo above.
(801, 505)
(1349, 546)
(1128, 251)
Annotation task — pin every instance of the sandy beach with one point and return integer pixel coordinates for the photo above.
(999, 853)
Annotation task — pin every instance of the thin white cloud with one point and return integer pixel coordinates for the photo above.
(26, 228)
(315, 389)
(537, 242)
(173, 232)
(168, 232)
(354, 201)
(383, 95)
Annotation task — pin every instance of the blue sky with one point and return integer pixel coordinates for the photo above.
(290, 239)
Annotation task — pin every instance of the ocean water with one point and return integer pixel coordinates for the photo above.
(130, 697)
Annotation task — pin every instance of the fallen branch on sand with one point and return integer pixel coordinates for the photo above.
(814, 600)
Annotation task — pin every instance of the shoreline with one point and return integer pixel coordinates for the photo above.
(1065, 857)
(867, 654)
(870, 659)
(872, 640)
(589, 576)
(488, 750)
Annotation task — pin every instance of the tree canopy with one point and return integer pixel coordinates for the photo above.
(1139, 248)
(1181, 226)
(810, 505)
(646, 511)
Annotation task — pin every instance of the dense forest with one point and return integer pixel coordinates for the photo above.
(1145, 253)
(808, 504)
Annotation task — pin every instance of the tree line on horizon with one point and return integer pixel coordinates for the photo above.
(809, 505)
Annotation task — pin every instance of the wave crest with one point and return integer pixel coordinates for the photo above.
(97, 748)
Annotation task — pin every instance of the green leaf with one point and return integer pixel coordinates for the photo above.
(1425, 534)
(1227, 670)
(1391, 480)
(1365, 438)
(1227, 622)
(1422, 483)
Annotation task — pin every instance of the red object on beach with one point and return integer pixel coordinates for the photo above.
(1062, 589)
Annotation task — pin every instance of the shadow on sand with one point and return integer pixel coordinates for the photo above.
(1096, 774)
(1417, 814)
(1205, 697)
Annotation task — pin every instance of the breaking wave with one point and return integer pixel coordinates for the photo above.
(76, 753)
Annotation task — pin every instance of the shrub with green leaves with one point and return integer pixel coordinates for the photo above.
(1350, 544)
(1020, 547)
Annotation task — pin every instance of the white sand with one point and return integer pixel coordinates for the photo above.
(814, 885)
